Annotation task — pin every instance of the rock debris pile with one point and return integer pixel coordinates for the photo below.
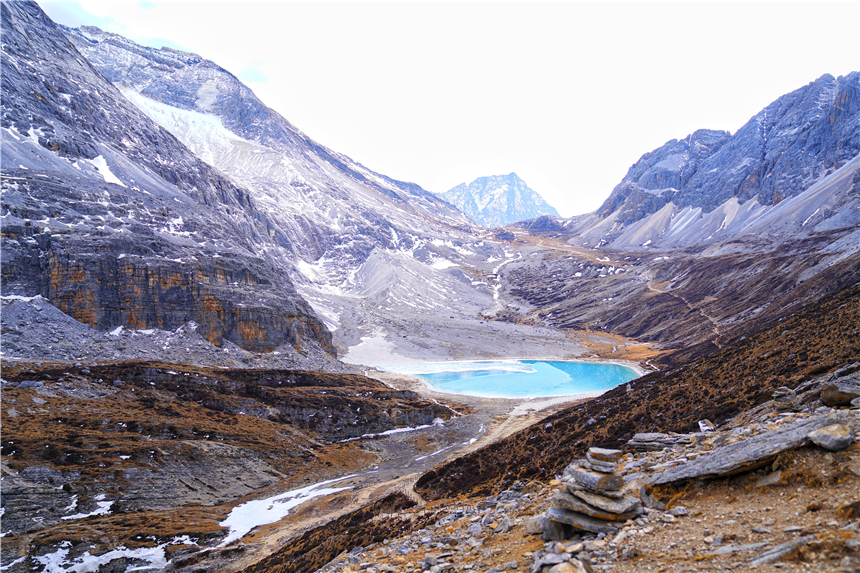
(456, 542)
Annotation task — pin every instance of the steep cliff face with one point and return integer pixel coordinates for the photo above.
(114, 221)
(333, 217)
(785, 148)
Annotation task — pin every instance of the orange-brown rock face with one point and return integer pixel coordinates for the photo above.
(108, 283)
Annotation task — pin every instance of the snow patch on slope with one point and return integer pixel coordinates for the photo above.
(251, 514)
(203, 133)
(99, 163)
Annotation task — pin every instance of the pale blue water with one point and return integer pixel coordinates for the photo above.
(517, 378)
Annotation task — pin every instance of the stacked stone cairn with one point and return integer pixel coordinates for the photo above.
(785, 400)
(590, 498)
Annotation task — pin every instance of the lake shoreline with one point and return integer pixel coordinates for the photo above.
(501, 372)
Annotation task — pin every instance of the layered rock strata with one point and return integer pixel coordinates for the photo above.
(656, 441)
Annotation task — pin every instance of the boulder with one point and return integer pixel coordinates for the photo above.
(834, 437)
(572, 566)
(504, 525)
(554, 530)
(839, 393)
(579, 521)
(534, 525)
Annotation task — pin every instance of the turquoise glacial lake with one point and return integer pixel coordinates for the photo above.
(518, 378)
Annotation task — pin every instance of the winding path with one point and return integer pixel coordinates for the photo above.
(662, 288)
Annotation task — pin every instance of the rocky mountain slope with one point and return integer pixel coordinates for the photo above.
(111, 219)
(676, 299)
(322, 202)
(356, 236)
(377, 258)
(704, 277)
(714, 186)
(798, 512)
(784, 501)
(101, 457)
(498, 200)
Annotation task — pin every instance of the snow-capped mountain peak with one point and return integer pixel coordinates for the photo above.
(498, 200)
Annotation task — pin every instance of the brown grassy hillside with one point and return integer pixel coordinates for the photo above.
(815, 340)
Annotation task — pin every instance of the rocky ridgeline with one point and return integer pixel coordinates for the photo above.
(777, 154)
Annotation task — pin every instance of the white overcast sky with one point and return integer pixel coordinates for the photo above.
(567, 95)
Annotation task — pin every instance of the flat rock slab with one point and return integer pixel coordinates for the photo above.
(596, 481)
(753, 452)
(604, 455)
(623, 505)
(574, 487)
(566, 501)
(579, 521)
(731, 548)
(779, 551)
(598, 466)
(651, 437)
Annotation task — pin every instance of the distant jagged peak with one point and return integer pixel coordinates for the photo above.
(498, 200)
